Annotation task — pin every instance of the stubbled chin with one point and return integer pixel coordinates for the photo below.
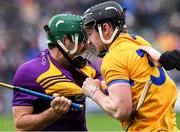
(97, 49)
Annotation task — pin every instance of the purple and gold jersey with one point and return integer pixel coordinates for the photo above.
(44, 75)
(126, 63)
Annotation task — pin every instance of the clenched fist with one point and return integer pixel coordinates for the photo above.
(90, 86)
(60, 104)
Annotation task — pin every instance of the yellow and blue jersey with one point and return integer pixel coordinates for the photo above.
(125, 63)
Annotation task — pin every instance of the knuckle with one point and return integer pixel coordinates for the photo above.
(65, 100)
(52, 104)
(88, 78)
(62, 98)
(69, 101)
(55, 95)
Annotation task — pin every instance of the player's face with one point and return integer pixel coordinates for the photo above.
(94, 38)
(70, 45)
(83, 46)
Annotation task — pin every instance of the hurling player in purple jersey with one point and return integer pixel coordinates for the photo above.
(58, 71)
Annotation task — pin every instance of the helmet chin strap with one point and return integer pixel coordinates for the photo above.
(64, 50)
(77, 61)
(103, 52)
(101, 34)
(80, 60)
(75, 40)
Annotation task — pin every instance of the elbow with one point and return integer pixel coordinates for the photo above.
(17, 126)
(123, 113)
(20, 128)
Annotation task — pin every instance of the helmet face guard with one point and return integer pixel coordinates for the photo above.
(66, 24)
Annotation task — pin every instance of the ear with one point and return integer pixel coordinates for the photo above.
(106, 29)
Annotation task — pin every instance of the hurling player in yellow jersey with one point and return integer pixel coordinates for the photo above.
(126, 69)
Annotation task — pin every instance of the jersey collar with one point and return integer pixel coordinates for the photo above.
(118, 40)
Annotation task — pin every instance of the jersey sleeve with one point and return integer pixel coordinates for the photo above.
(115, 69)
(24, 78)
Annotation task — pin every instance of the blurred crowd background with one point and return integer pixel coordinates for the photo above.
(22, 36)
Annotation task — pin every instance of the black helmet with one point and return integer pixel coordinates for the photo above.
(109, 11)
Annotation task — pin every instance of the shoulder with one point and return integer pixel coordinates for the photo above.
(24, 72)
(126, 56)
(116, 57)
(29, 71)
(139, 40)
(126, 47)
(28, 67)
(34, 66)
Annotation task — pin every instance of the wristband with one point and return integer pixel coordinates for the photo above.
(93, 92)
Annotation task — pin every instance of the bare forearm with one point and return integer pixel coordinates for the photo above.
(117, 104)
(107, 104)
(37, 121)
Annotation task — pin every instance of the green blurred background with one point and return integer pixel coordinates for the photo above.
(95, 122)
